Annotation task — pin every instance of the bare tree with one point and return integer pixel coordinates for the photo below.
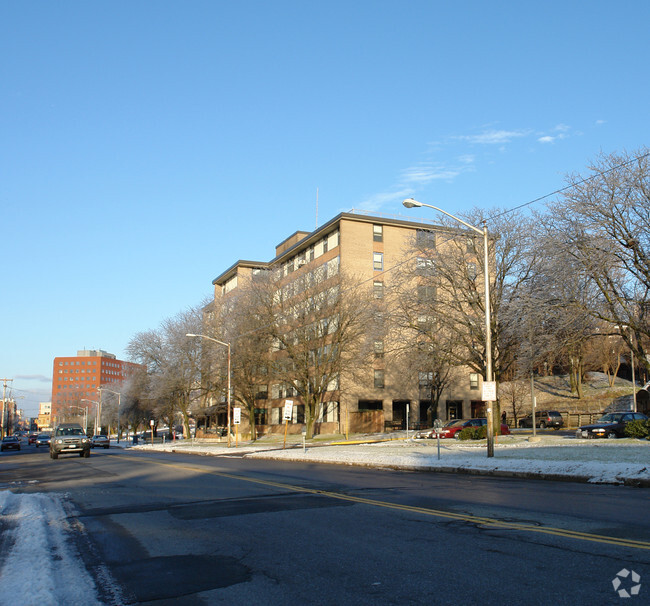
(172, 362)
(424, 351)
(513, 395)
(452, 269)
(237, 320)
(604, 353)
(603, 222)
(315, 324)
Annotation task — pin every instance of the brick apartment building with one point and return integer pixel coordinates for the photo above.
(77, 377)
(372, 249)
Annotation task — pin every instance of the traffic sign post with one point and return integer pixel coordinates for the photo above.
(490, 396)
(437, 424)
(236, 422)
(288, 416)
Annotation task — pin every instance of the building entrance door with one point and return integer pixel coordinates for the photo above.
(399, 412)
(454, 410)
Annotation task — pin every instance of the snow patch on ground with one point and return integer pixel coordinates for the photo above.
(40, 565)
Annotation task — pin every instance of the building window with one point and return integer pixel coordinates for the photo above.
(425, 379)
(379, 379)
(425, 238)
(379, 349)
(425, 267)
(378, 290)
(471, 271)
(378, 261)
(473, 380)
(426, 293)
(378, 233)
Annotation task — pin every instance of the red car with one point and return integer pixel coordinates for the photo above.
(452, 429)
(32, 438)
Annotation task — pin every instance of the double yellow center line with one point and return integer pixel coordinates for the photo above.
(482, 521)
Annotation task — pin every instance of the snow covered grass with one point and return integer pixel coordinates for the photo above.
(561, 457)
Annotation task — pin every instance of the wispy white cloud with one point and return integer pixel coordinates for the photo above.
(383, 199)
(41, 378)
(559, 132)
(493, 137)
(453, 159)
(426, 172)
(417, 176)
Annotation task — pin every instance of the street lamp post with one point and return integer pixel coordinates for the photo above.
(411, 203)
(227, 345)
(96, 403)
(119, 400)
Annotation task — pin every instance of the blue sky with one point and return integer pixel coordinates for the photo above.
(146, 146)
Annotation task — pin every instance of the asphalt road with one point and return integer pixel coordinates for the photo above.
(182, 529)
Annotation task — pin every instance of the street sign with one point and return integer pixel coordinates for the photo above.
(489, 391)
(236, 415)
(288, 410)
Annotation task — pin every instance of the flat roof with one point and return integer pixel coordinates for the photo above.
(353, 215)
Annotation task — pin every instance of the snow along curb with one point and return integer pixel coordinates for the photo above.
(450, 469)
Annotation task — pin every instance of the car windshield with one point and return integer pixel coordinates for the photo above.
(454, 423)
(69, 431)
(611, 418)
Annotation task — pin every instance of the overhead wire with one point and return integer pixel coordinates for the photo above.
(570, 186)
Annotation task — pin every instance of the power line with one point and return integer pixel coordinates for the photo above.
(563, 189)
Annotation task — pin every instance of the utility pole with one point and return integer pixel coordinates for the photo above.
(4, 402)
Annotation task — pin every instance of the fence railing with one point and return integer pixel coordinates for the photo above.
(572, 420)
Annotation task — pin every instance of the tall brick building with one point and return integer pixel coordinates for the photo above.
(371, 248)
(77, 377)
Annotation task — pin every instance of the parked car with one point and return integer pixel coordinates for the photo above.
(612, 425)
(42, 439)
(10, 443)
(452, 429)
(32, 438)
(424, 433)
(98, 440)
(543, 419)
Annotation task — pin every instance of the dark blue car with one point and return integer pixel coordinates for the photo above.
(612, 425)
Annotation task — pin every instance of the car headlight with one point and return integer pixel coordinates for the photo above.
(59, 441)
(84, 440)
(599, 431)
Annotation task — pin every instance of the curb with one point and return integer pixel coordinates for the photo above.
(495, 473)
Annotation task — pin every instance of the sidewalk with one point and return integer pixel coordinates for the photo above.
(624, 461)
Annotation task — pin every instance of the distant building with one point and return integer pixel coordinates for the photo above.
(44, 420)
(77, 377)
